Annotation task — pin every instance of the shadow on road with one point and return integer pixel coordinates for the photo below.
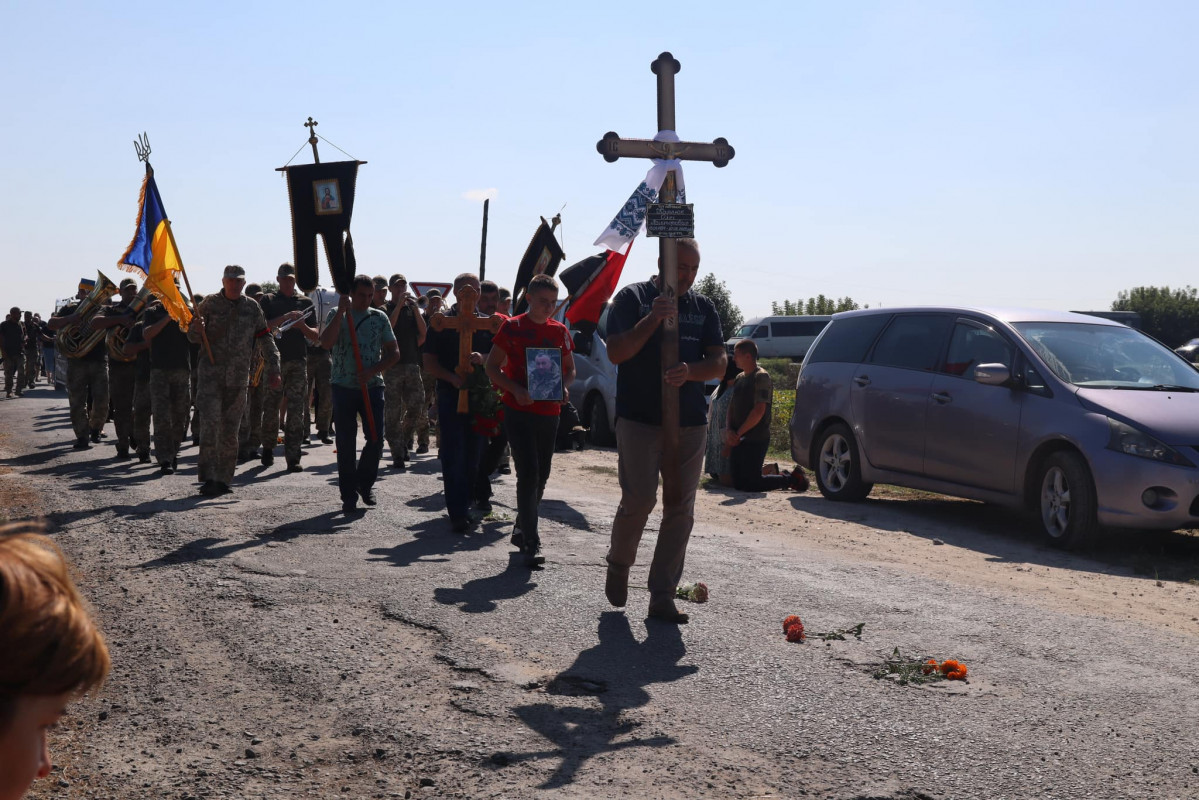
(432, 541)
(560, 511)
(212, 547)
(65, 518)
(614, 674)
(481, 595)
(48, 452)
(1006, 535)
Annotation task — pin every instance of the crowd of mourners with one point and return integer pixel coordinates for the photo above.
(485, 387)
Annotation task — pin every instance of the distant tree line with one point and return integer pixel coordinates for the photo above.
(1169, 315)
(814, 305)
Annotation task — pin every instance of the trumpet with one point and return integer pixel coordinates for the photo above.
(76, 341)
(118, 337)
(278, 332)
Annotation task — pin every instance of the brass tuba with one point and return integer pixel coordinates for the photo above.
(76, 341)
(119, 336)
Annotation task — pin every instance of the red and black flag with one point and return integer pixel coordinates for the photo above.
(590, 284)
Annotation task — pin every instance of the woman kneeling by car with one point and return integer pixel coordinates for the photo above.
(747, 430)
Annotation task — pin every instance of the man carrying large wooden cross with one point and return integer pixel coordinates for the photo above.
(451, 351)
(667, 341)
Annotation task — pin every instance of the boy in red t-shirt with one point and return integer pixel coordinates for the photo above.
(531, 362)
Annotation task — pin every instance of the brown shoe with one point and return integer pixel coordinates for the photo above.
(667, 612)
(616, 587)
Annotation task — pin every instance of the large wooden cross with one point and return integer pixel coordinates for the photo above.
(466, 323)
(719, 152)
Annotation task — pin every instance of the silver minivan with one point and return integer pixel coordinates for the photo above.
(1082, 420)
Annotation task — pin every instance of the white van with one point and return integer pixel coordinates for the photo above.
(781, 337)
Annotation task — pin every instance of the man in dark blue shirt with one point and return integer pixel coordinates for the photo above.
(460, 445)
(634, 344)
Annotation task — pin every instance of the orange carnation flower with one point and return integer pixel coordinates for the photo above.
(958, 674)
(789, 621)
(929, 667)
(795, 633)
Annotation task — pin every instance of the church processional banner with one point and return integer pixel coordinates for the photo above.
(322, 200)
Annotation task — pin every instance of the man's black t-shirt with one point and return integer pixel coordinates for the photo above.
(12, 336)
(292, 344)
(97, 353)
(406, 332)
(137, 335)
(639, 379)
(444, 345)
(170, 349)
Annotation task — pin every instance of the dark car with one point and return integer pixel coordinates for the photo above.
(1085, 421)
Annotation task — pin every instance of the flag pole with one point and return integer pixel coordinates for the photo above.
(190, 295)
(366, 395)
(483, 245)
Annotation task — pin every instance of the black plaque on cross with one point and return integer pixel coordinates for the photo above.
(719, 152)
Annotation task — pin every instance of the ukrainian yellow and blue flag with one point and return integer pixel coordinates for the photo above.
(154, 254)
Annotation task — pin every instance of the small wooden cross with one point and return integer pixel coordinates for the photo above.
(311, 126)
(719, 152)
(466, 323)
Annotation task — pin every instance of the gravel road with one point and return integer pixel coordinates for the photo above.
(265, 645)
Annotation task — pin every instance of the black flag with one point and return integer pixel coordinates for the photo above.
(322, 199)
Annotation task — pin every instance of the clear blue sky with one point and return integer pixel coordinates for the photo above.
(1019, 153)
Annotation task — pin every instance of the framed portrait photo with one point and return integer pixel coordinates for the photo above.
(543, 369)
(327, 194)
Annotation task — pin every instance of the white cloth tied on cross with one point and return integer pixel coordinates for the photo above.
(628, 222)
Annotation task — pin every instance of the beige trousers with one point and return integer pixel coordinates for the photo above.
(639, 447)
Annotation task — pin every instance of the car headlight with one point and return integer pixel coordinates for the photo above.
(1129, 440)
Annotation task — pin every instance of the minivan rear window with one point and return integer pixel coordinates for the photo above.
(848, 340)
(912, 341)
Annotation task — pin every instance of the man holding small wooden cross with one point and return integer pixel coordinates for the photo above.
(452, 350)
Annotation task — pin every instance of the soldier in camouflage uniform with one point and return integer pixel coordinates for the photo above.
(251, 415)
(195, 377)
(170, 392)
(86, 373)
(404, 398)
(427, 419)
(137, 346)
(122, 375)
(235, 326)
(283, 307)
(33, 352)
(320, 384)
(12, 345)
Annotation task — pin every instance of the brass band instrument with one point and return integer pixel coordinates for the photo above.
(76, 341)
(256, 368)
(118, 337)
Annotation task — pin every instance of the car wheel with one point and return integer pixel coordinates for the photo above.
(838, 468)
(597, 417)
(1067, 502)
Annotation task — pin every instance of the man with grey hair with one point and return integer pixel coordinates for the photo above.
(634, 344)
(234, 326)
